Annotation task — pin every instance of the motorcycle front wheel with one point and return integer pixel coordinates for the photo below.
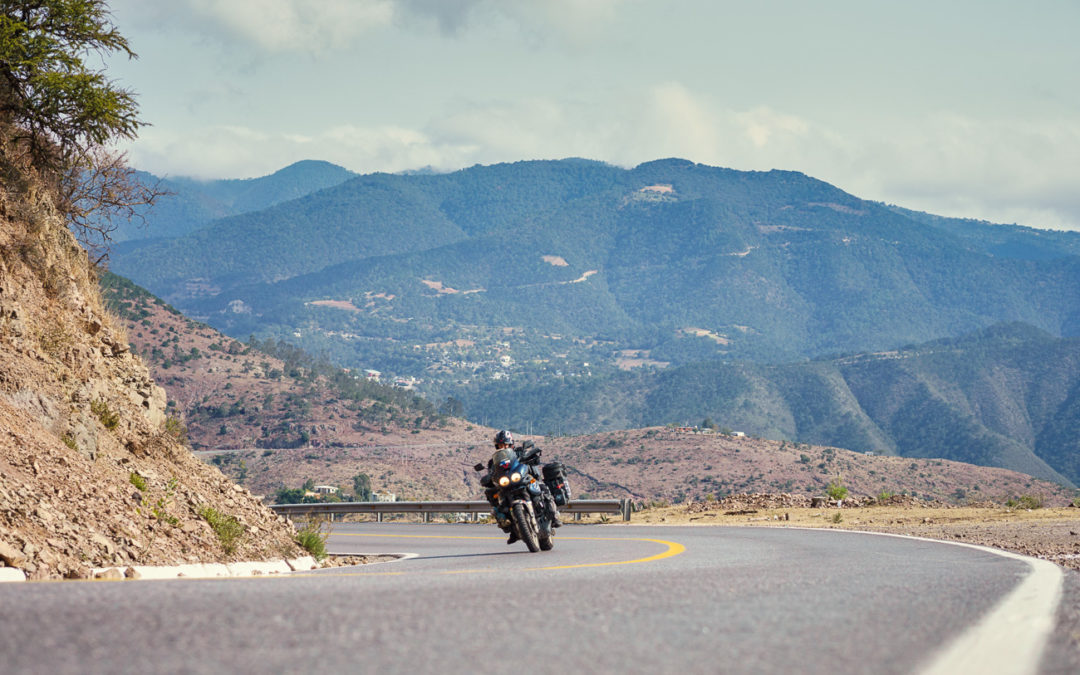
(526, 527)
(545, 538)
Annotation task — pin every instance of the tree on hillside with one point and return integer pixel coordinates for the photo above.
(362, 487)
(289, 496)
(453, 407)
(62, 114)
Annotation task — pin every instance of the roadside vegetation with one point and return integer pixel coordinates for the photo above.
(228, 529)
(312, 536)
(61, 114)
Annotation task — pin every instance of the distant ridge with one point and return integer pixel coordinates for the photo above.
(194, 203)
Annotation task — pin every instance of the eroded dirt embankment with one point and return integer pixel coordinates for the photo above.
(94, 470)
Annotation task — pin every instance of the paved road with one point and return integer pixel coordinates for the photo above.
(607, 599)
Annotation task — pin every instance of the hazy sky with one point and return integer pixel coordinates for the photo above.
(967, 107)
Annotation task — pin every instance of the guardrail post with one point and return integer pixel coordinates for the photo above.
(625, 507)
(427, 516)
(378, 517)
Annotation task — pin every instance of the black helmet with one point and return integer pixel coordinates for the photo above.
(504, 437)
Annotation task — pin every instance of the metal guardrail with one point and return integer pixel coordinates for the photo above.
(575, 507)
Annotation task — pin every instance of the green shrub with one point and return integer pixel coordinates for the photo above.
(836, 489)
(161, 506)
(885, 496)
(174, 428)
(312, 537)
(108, 418)
(138, 481)
(55, 340)
(1025, 502)
(838, 517)
(227, 528)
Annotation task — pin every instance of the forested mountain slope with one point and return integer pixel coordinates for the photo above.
(1007, 396)
(274, 418)
(687, 260)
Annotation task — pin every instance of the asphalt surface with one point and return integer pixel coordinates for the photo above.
(607, 599)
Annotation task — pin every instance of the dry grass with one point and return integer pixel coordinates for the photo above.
(857, 518)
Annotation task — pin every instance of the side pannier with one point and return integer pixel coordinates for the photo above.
(555, 479)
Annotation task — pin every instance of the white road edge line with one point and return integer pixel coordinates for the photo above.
(1011, 638)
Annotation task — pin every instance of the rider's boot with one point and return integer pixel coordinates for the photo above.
(513, 537)
(555, 521)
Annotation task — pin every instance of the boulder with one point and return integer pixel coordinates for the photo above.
(11, 556)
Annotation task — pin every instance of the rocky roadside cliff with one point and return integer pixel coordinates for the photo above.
(93, 472)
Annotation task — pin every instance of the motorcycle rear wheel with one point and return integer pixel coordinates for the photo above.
(526, 527)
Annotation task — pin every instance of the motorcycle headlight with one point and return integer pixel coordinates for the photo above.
(515, 476)
(504, 481)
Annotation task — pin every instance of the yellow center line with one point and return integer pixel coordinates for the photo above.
(673, 549)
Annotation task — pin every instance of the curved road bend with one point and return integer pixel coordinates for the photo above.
(606, 599)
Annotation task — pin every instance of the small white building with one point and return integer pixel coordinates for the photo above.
(384, 497)
(372, 374)
(325, 490)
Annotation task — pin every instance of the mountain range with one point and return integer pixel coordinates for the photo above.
(690, 260)
(524, 289)
(189, 204)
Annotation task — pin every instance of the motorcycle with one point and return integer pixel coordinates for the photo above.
(513, 489)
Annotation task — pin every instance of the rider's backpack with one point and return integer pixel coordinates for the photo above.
(529, 454)
(555, 479)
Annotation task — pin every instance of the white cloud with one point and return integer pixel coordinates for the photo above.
(319, 26)
(575, 20)
(450, 17)
(946, 164)
(1023, 172)
(762, 124)
(242, 152)
(676, 124)
(288, 25)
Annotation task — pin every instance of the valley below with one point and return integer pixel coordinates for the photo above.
(572, 297)
(274, 423)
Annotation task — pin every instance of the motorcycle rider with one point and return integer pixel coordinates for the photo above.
(504, 440)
